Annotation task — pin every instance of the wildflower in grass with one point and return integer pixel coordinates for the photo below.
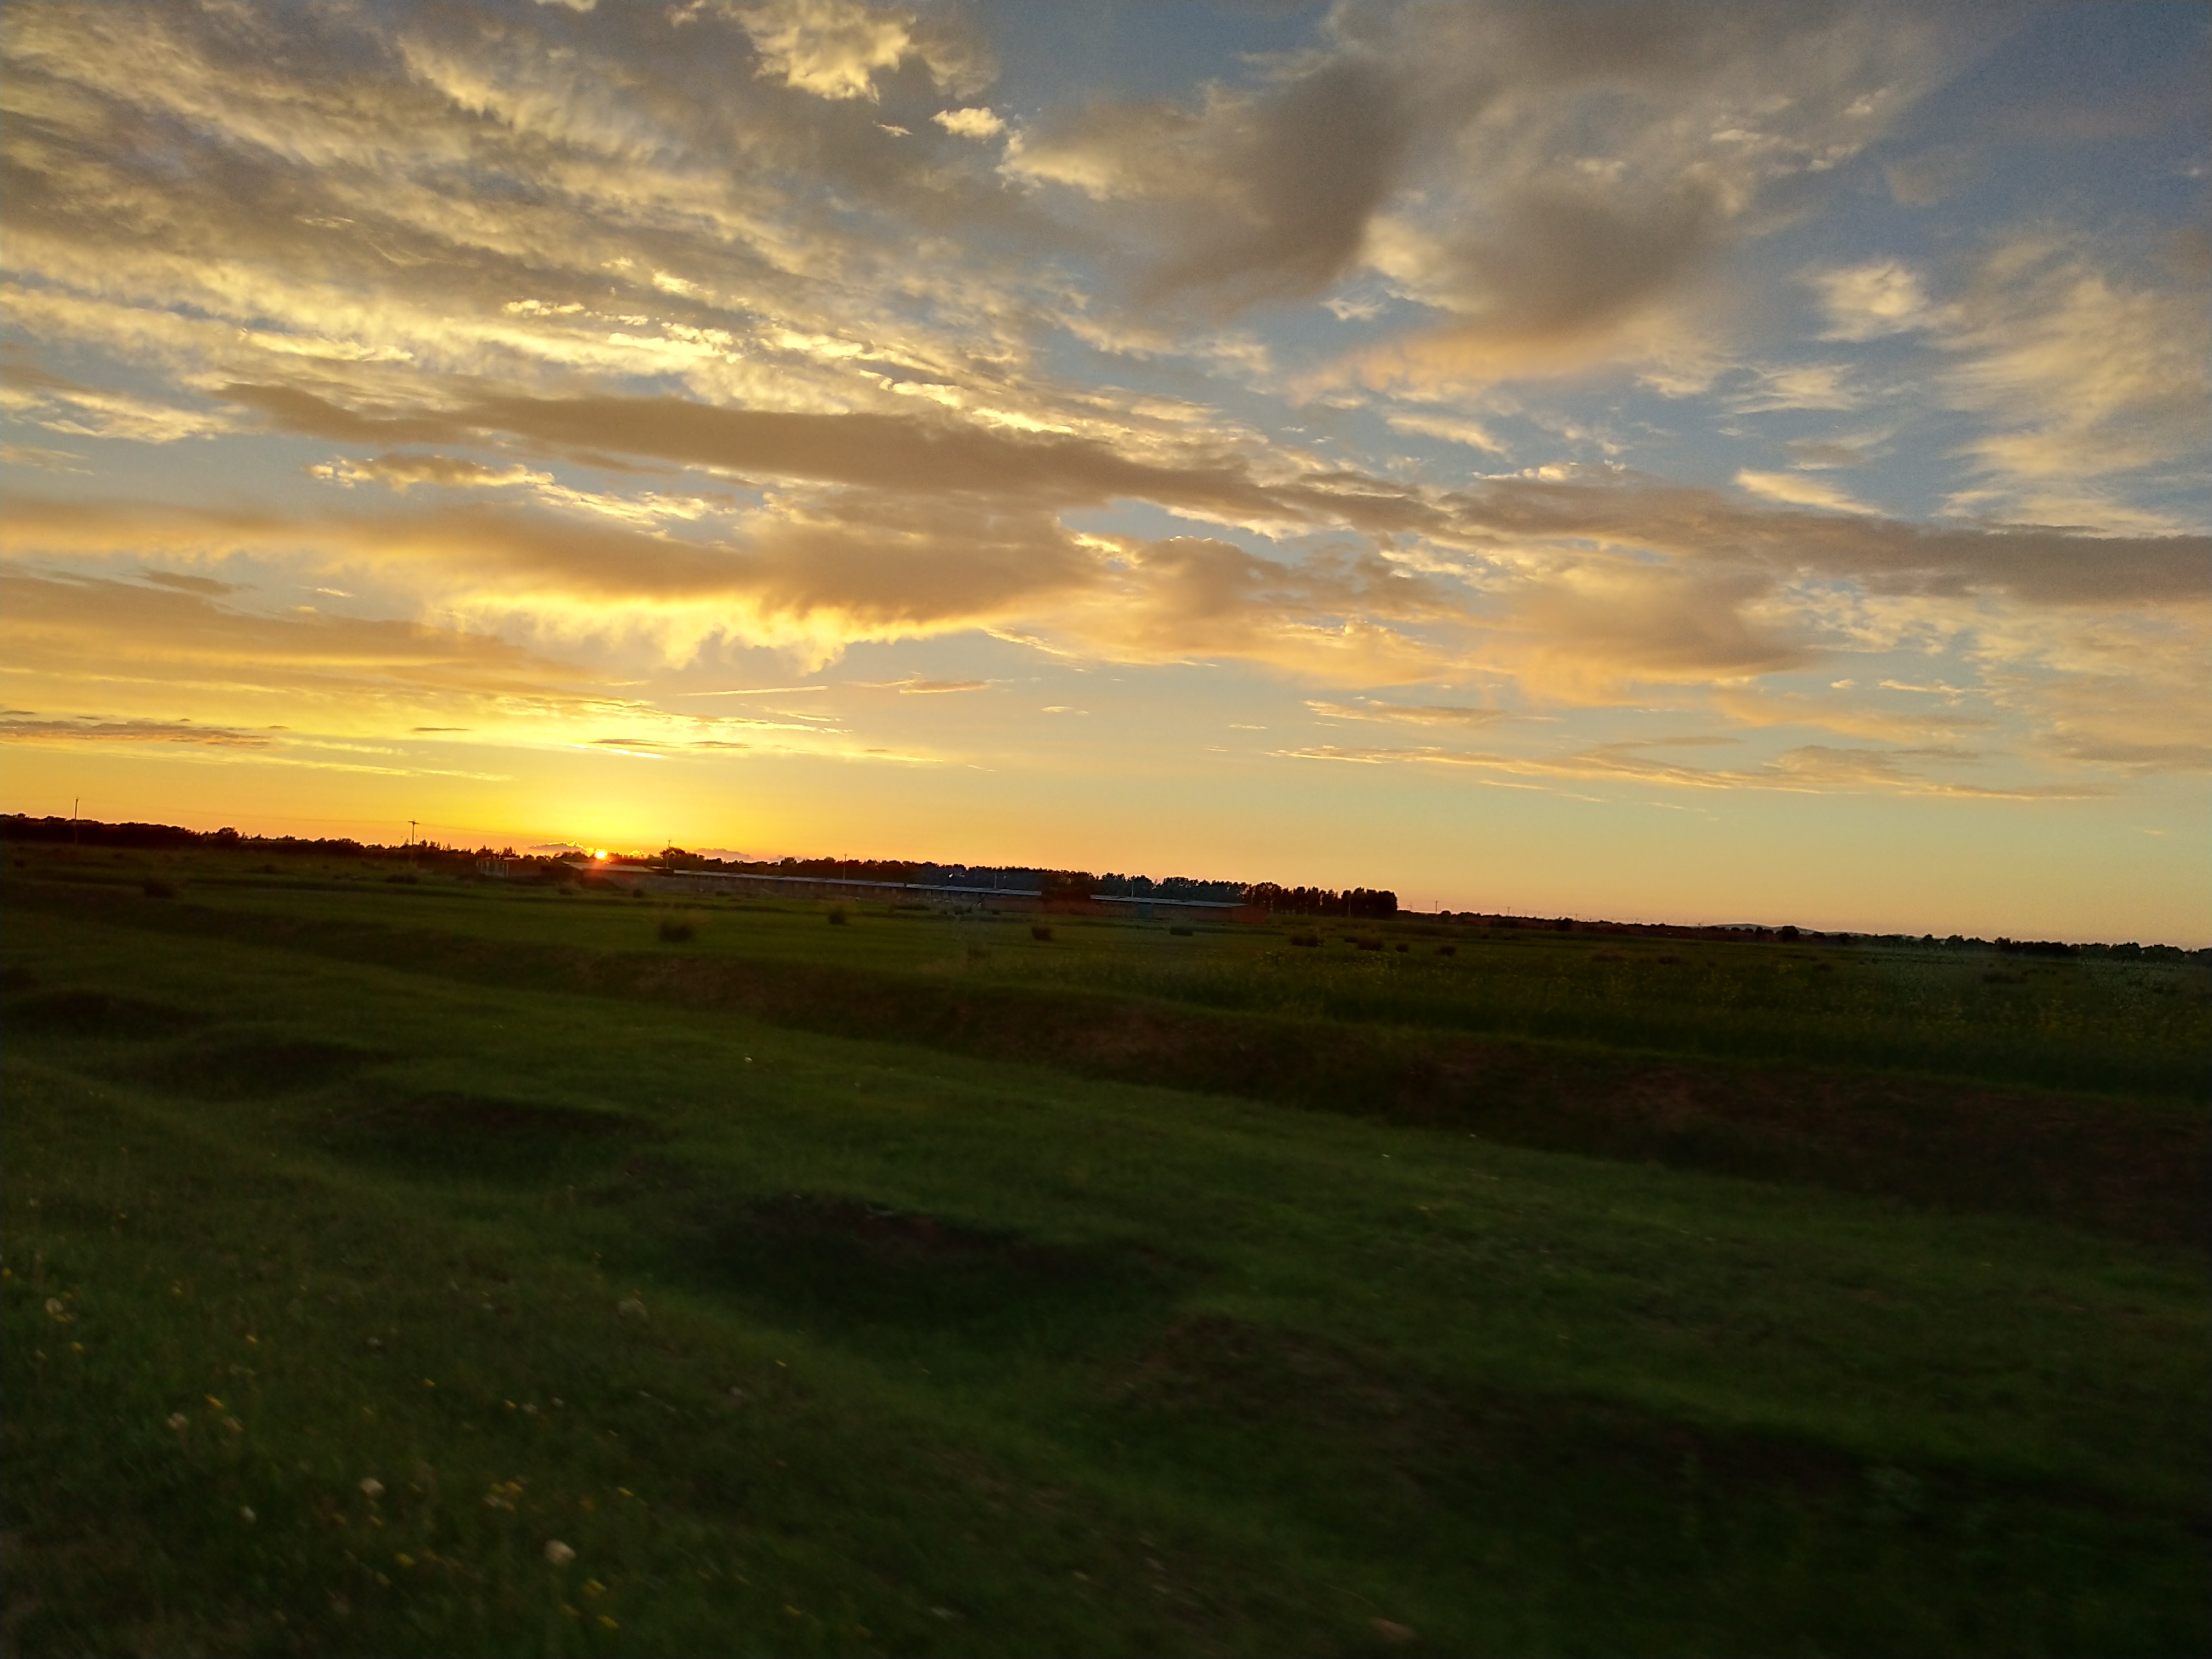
(371, 1487)
(404, 1559)
(179, 1421)
(55, 1310)
(245, 1514)
(214, 1404)
(630, 1308)
(234, 1425)
(558, 1553)
(608, 1622)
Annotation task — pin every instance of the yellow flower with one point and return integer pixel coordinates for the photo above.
(608, 1622)
(558, 1553)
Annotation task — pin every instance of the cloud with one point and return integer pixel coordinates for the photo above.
(1799, 491)
(340, 686)
(28, 393)
(93, 632)
(1700, 530)
(1811, 768)
(1758, 706)
(1406, 714)
(917, 686)
(1817, 453)
(814, 574)
(46, 460)
(1340, 616)
(184, 584)
(1450, 429)
(1591, 632)
(1798, 386)
(1551, 183)
(915, 453)
(1867, 301)
(979, 123)
(1568, 270)
(2086, 377)
(20, 729)
(834, 48)
(401, 472)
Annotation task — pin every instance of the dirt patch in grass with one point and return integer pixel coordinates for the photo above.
(1463, 1444)
(100, 1016)
(843, 1259)
(2137, 1171)
(465, 1133)
(1276, 1381)
(257, 1066)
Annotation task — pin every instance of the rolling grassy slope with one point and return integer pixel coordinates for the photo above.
(834, 1289)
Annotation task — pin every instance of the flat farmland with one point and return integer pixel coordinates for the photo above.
(445, 1266)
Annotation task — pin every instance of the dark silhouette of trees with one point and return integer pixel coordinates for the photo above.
(1354, 903)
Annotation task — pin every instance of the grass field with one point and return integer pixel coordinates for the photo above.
(917, 1284)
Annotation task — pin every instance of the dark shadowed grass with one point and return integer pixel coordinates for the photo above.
(917, 1336)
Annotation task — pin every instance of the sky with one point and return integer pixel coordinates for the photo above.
(1713, 463)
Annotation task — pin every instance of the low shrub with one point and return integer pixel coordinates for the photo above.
(1038, 930)
(1405, 947)
(836, 915)
(1305, 939)
(675, 931)
(1448, 950)
(155, 887)
(1183, 932)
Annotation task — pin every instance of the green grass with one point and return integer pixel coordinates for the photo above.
(825, 1289)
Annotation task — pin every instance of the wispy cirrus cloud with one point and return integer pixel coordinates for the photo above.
(1812, 769)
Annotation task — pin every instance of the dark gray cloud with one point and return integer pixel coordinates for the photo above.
(904, 453)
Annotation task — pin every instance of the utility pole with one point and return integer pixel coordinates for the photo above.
(76, 835)
(412, 824)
